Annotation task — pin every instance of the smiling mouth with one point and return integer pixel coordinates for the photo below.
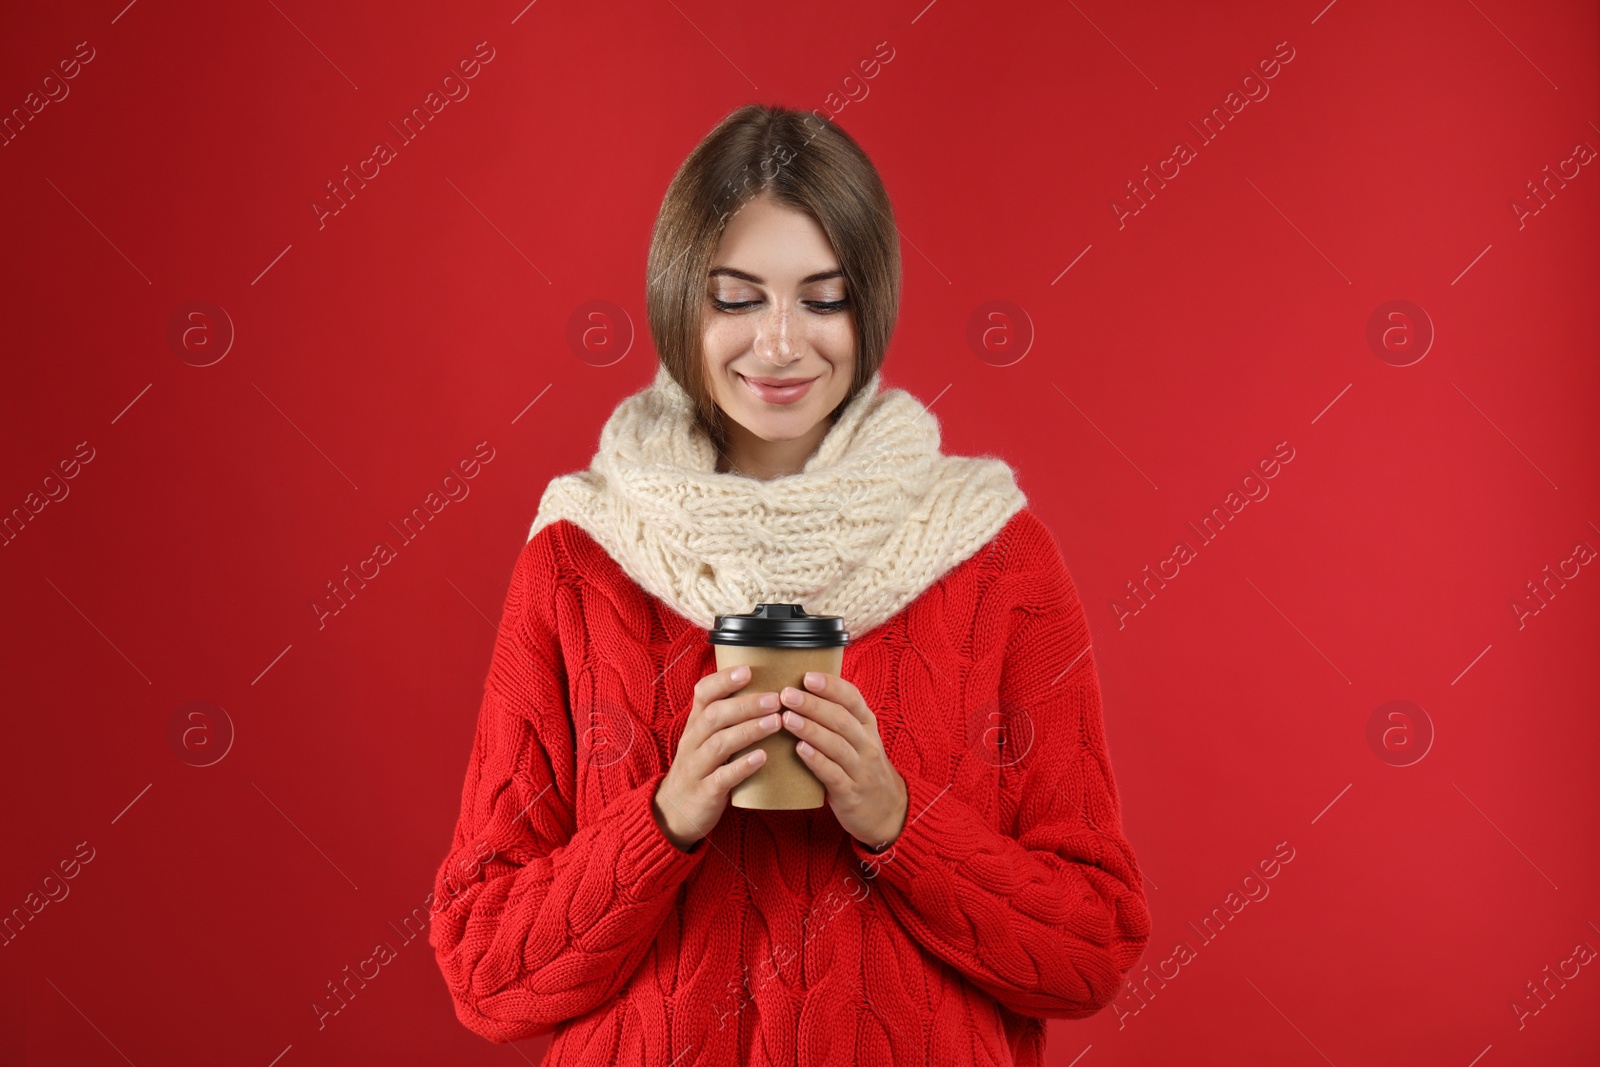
(778, 394)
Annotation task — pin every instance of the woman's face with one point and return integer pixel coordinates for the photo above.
(777, 308)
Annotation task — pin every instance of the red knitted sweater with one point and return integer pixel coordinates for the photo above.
(1011, 895)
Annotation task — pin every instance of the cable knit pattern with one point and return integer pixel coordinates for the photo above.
(873, 518)
(1010, 897)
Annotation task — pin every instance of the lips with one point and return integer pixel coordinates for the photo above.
(778, 394)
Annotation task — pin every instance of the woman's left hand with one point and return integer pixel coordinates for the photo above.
(838, 740)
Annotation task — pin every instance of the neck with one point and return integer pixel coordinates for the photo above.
(744, 453)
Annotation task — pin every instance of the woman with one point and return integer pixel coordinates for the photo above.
(968, 877)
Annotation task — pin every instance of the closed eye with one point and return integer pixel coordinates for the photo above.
(822, 307)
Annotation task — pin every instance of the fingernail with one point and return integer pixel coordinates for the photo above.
(741, 673)
(768, 700)
(813, 678)
(770, 722)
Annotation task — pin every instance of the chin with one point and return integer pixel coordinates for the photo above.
(792, 422)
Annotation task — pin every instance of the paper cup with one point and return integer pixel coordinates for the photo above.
(779, 643)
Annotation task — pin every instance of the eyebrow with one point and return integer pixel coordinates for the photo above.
(732, 272)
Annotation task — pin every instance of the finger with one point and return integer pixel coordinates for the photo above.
(706, 721)
(729, 775)
(708, 692)
(832, 715)
(729, 740)
(730, 711)
(828, 771)
(837, 749)
(841, 692)
(720, 683)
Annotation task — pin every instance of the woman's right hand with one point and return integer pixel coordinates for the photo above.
(694, 794)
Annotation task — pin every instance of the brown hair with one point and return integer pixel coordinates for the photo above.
(803, 162)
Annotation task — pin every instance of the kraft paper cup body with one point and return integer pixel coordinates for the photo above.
(783, 781)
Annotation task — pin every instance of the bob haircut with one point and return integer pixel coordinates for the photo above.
(803, 162)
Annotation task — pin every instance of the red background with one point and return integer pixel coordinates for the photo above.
(374, 352)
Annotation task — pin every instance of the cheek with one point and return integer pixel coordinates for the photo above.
(833, 337)
(833, 334)
(724, 338)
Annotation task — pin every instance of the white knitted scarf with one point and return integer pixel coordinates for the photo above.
(875, 517)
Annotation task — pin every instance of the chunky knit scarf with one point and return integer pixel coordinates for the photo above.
(875, 517)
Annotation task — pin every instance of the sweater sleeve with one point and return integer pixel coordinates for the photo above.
(1048, 918)
(538, 917)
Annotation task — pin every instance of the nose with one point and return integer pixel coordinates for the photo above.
(774, 341)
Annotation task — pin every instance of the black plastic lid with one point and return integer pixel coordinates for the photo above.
(779, 626)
